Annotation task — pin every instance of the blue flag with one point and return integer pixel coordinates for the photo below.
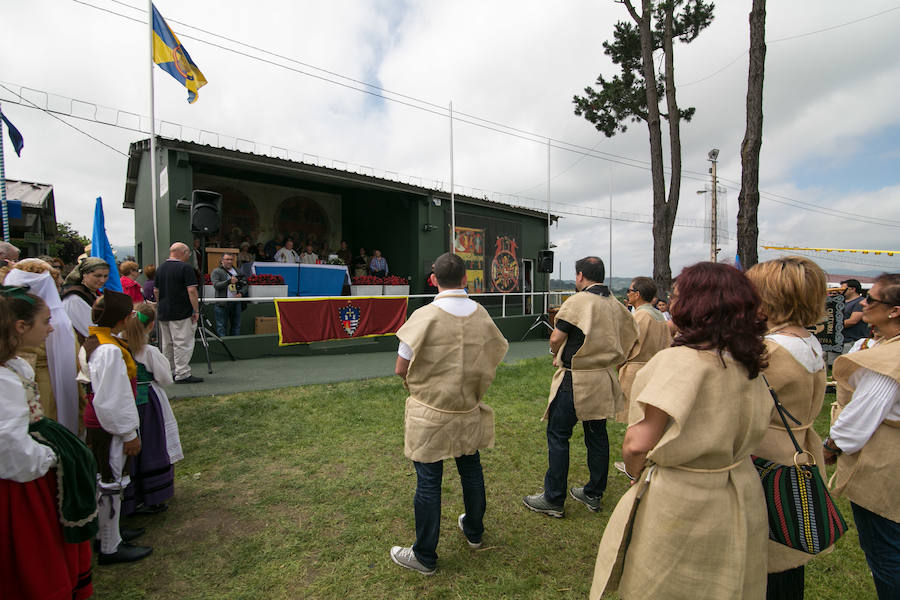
(101, 249)
(14, 136)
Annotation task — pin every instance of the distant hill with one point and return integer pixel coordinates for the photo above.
(618, 285)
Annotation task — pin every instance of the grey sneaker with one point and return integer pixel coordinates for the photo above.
(593, 504)
(407, 559)
(470, 542)
(538, 503)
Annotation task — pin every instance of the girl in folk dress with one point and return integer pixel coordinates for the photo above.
(48, 507)
(152, 480)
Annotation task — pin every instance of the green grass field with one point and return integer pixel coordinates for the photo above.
(301, 492)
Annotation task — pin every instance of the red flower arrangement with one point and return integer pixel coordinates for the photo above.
(367, 280)
(206, 279)
(395, 280)
(265, 280)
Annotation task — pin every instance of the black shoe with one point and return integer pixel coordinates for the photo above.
(190, 379)
(124, 553)
(129, 535)
(151, 509)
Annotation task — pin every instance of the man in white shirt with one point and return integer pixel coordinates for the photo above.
(449, 351)
(309, 257)
(287, 254)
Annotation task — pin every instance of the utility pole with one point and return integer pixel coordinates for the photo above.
(713, 220)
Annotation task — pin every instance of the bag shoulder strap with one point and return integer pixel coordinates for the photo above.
(784, 414)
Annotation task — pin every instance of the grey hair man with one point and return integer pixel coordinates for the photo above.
(178, 310)
(9, 253)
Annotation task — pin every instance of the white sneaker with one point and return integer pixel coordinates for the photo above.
(459, 522)
(405, 557)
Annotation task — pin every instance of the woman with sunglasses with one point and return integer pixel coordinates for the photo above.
(865, 436)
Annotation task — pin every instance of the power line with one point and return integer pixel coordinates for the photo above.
(63, 121)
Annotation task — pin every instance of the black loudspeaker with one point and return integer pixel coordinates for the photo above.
(545, 261)
(206, 212)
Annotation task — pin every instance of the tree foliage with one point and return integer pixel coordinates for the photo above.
(69, 243)
(628, 98)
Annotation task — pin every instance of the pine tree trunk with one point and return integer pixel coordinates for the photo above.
(663, 275)
(661, 242)
(748, 200)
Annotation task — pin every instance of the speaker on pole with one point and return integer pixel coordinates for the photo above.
(206, 212)
(545, 261)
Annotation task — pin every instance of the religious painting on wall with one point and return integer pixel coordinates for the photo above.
(504, 269)
(469, 246)
(302, 219)
(490, 249)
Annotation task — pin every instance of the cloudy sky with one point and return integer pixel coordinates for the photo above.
(293, 75)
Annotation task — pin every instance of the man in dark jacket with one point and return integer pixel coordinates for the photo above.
(228, 283)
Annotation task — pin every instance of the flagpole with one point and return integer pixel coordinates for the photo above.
(5, 209)
(452, 194)
(153, 182)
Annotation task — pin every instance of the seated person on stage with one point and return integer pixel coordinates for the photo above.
(309, 257)
(378, 266)
(287, 254)
(361, 264)
(261, 255)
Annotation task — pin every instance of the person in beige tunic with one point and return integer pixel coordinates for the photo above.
(593, 333)
(793, 291)
(448, 356)
(865, 436)
(653, 336)
(696, 517)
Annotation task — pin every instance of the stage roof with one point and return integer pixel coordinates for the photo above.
(303, 170)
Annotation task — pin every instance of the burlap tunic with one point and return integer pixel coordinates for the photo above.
(609, 332)
(802, 394)
(870, 477)
(653, 336)
(454, 361)
(700, 529)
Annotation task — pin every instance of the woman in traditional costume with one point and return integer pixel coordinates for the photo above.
(153, 474)
(81, 290)
(793, 294)
(694, 524)
(865, 436)
(54, 363)
(48, 507)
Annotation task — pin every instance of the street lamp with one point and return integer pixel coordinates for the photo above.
(713, 241)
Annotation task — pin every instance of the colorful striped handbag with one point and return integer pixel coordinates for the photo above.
(802, 514)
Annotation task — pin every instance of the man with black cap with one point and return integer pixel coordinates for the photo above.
(112, 421)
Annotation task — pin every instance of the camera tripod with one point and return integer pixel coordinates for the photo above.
(204, 326)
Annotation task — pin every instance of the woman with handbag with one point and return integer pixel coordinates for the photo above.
(694, 524)
(792, 290)
(865, 436)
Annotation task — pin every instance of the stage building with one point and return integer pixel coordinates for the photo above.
(266, 199)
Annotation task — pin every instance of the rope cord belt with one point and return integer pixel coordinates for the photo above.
(448, 412)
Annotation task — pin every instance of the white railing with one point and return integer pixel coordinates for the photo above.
(550, 299)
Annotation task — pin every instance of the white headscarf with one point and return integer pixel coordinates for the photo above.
(60, 345)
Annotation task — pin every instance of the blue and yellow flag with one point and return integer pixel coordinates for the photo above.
(172, 58)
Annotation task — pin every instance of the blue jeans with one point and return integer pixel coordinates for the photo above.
(561, 421)
(428, 504)
(879, 539)
(225, 312)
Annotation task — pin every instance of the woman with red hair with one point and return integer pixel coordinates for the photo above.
(694, 524)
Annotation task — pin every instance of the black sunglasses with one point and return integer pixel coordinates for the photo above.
(870, 299)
